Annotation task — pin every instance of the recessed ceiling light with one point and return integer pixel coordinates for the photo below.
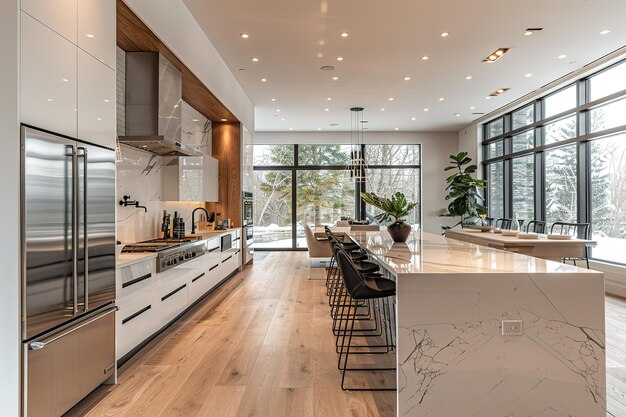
(413, 118)
(106, 100)
(329, 98)
(273, 99)
(441, 99)
(320, 55)
(64, 80)
(224, 120)
(282, 119)
(339, 58)
(469, 77)
(264, 79)
(335, 78)
(382, 109)
(255, 59)
(488, 98)
(605, 32)
(89, 35)
(391, 99)
(49, 99)
(99, 118)
(445, 34)
(426, 109)
(425, 58)
(319, 128)
(397, 128)
(472, 108)
(528, 75)
(457, 114)
(562, 56)
(407, 78)
(245, 35)
(344, 34)
(528, 33)
(497, 54)
(291, 128)
(195, 120)
(326, 109)
(277, 110)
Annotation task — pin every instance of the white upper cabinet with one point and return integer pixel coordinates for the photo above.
(191, 178)
(96, 29)
(247, 160)
(96, 101)
(58, 15)
(48, 78)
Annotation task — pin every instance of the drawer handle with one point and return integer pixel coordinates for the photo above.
(198, 277)
(227, 258)
(236, 253)
(214, 249)
(166, 296)
(213, 267)
(136, 280)
(137, 314)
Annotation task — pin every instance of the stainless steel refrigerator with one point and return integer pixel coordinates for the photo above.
(68, 276)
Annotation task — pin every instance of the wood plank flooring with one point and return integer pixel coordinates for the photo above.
(259, 346)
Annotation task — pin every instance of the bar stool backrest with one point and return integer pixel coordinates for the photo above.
(352, 278)
(503, 223)
(536, 226)
(578, 230)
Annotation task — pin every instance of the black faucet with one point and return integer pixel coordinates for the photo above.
(193, 218)
(126, 201)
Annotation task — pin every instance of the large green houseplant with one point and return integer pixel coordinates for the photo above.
(463, 191)
(397, 207)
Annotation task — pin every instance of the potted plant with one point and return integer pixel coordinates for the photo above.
(465, 199)
(397, 207)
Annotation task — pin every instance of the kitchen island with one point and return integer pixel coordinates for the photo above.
(454, 302)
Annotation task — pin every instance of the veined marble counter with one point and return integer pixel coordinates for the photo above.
(453, 360)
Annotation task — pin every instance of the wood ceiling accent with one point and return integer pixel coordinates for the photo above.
(134, 36)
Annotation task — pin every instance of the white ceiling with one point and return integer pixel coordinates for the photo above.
(293, 38)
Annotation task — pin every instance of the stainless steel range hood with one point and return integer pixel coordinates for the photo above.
(153, 105)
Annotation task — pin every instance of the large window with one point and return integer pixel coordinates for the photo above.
(563, 158)
(310, 184)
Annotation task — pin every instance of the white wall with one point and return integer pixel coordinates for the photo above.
(9, 210)
(436, 149)
(172, 22)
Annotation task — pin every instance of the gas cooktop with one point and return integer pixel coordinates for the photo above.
(155, 245)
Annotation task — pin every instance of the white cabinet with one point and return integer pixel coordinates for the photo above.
(96, 29)
(247, 160)
(58, 15)
(48, 78)
(96, 101)
(193, 178)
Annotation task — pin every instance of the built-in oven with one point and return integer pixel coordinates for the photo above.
(248, 226)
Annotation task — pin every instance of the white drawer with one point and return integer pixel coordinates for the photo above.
(135, 322)
(173, 299)
(136, 277)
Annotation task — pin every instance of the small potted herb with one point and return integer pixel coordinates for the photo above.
(397, 207)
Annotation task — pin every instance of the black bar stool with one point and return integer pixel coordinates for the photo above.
(360, 288)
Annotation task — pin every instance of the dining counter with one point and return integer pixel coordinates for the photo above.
(453, 300)
(541, 247)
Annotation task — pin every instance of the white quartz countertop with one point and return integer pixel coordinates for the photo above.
(429, 253)
(126, 259)
(208, 234)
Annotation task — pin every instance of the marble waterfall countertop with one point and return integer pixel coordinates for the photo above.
(453, 301)
(430, 253)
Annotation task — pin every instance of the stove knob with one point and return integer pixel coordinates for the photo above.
(175, 261)
(193, 255)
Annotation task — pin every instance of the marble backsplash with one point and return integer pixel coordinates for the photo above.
(140, 176)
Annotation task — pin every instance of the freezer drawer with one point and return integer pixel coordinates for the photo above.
(62, 367)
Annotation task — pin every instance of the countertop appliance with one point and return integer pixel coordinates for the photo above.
(170, 252)
(248, 227)
(68, 271)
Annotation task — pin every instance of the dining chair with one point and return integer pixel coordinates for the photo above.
(503, 223)
(577, 230)
(536, 226)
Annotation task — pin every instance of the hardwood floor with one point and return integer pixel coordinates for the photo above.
(259, 346)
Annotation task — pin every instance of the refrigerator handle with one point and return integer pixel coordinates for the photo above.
(43, 342)
(72, 153)
(83, 153)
